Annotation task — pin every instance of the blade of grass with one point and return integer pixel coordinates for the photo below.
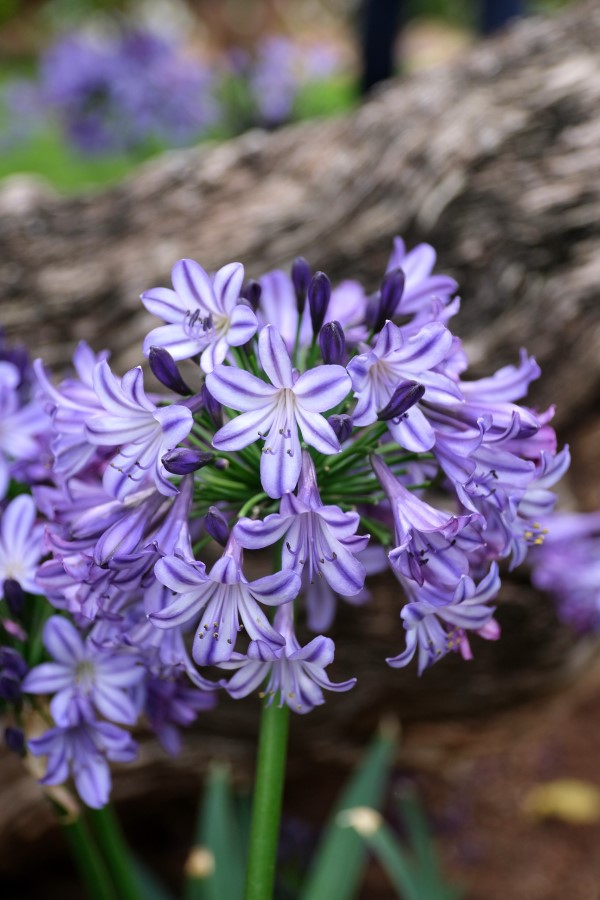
(215, 866)
(339, 863)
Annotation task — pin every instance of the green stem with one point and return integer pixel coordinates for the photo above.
(116, 852)
(89, 861)
(266, 809)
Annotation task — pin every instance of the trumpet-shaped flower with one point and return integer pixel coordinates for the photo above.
(224, 599)
(295, 673)
(397, 358)
(21, 542)
(322, 538)
(84, 675)
(276, 412)
(437, 621)
(143, 431)
(83, 751)
(203, 313)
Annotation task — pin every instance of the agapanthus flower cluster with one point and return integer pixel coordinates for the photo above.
(199, 539)
(112, 93)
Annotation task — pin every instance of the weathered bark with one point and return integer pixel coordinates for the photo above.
(494, 160)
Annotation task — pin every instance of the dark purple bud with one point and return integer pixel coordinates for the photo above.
(14, 739)
(342, 425)
(193, 403)
(212, 406)
(10, 687)
(183, 460)
(217, 526)
(319, 292)
(164, 368)
(333, 344)
(251, 293)
(14, 596)
(392, 288)
(13, 661)
(301, 280)
(405, 396)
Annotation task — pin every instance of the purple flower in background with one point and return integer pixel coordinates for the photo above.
(277, 411)
(565, 562)
(204, 314)
(321, 538)
(144, 432)
(21, 543)
(436, 621)
(296, 674)
(84, 676)
(83, 751)
(172, 704)
(223, 598)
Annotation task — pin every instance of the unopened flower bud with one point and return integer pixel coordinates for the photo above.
(319, 294)
(251, 294)
(14, 738)
(390, 295)
(332, 341)
(342, 425)
(165, 370)
(10, 687)
(183, 460)
(212, 406)
(14, 596)
(217, 526)
(405, 396)
(301, 280)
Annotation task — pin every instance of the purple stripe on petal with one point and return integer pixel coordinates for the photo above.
(274, 357)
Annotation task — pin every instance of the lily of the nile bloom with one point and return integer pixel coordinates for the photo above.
(275, 412)
(376, 374)
(143, 431)
(83, 676)
(19, 424)
(567, 566)
(21, 543)
(427, 539)
(223, 600)
(172, 703)
(296, 674)
(83, 750)
(203, 314)
(321, 538)
(420, 286)
(437, 621)
(69, 405)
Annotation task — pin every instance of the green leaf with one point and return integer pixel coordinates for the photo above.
(339, 863)
(215, 866)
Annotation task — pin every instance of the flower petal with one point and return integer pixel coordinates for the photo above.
(322, 388)
(244, 430)
(194, 286)
(63, 641)
(317, 431)
(274, 357)
(239, 389)
(228, 284)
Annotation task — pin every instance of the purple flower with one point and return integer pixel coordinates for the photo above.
(171, 704)
(223, 598)
(69, 405)
(21, 542)
(322, 538)
(204, 314)
(82, 750)
(275, 412)
(144, 432)
(296, 674)
(436, 620)
(20, 424)
(84, 674)
(396, 358)
(427, 546)
(420, 286)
